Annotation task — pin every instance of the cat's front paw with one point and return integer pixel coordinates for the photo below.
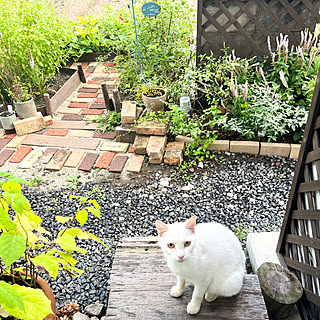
(193, 308)
(176, 291)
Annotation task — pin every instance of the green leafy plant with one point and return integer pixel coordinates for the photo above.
(241, 231)
(73, 182)
(108, 121)
(36, 181)
(96, 192)
(26, 250)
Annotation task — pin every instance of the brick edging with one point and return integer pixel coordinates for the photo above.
(285, 150)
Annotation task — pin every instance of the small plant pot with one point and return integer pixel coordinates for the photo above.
(7, 119)
(26, 109)
(154, 104)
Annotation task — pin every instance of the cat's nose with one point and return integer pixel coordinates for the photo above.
(180, 257)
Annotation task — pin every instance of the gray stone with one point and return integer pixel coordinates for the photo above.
(80, 316)
(94, 309)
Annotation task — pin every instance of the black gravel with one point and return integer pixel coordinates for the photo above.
(241, 192)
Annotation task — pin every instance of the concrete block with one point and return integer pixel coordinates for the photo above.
(275, 149)
(173, 157)
(156, 146)
(29, 125)
(249, 147)
(295, 150)
(219, 145)
(128, 112)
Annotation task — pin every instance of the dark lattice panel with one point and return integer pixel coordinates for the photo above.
(299, 242)
(244, 25)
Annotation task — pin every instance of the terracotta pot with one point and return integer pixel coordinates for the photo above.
(155, 104)
(48, 292)
(26, 109)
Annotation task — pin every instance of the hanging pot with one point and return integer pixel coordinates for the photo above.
(26, 109)
(154, 104)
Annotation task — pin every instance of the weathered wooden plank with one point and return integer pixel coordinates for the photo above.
(140, 283)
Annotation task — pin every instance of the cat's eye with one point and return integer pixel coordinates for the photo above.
(187, 243)
(171, 245)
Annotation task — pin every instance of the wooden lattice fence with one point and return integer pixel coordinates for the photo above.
(299, 241)
(244, 25)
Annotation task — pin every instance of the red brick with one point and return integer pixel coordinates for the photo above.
(84, 65)
(87, 74)
(10, 136)
(20, 154)
(4, 142)
(92, 111)
(56, 132)
(78, 105)
(109, 64)
(130, 149)
(118, 164)
(88, 162)
(105, 160)
(100, 100)
(104, 135)
(72, 117)
(5, 155)
(88, 90)
(87, 95)
(94, 82)
(135, 163)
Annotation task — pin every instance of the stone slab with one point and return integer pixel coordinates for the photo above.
(135, 163)
(4, 142)
(81, 133)
(78, 105)
(82, 100)
(72, 117)
(87, 95)
(88, 89)
(97, 112)
(176, 145)
(66, 110)
(88, 162)
(105, 160)
(140, 144)
(156, 147)
(153, 128)
(173, 157)
(61, 142)
(58, 160)
(183, 139)
(73, 125)
(74, 158)
(295, 150)
(261, 247)
(29, 125)
(56, 132)
(249, 147)
(125, 134)
(20, 154)
(104, 135)
(15, 142)
(30, 159)
(97, 106)
(275, 149)
(113, 146)
(118, 164)
(47, 155)
(128, 112)
(219, 145)
(5, 155)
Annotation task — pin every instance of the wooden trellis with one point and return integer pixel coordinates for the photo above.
(244, 25)
(299, 241)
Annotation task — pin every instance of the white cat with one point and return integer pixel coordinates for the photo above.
(208, 255)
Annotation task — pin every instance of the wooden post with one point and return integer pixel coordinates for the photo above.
(116, 100)
(281, 289)
(47, 103)
(105, 96)
(81, 73)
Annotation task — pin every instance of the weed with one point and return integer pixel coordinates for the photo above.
(73, 182)
(36, 181)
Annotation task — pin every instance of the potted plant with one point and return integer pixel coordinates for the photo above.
(154, 98)
(26, 251)
(7, 117)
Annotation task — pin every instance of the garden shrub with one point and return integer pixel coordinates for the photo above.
(36, 38)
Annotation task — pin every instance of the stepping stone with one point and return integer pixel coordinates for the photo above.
(97, 112)
(20, 154)
(30, 159)
(75, 158)
(15, 142)
(97, 106)
(90, 86)
(72, 117)
(61, 142)
(152, 128)
(104, 135)
(135, 163)
(78, 105)
(87, 95)
(88, 90)
(105, 160)
(88, 162)
(5, 155)
(56, 132)
(47, 155)
(112, 146)
(128, 112)
(77, 125)
(118, 164)
(140, 144)
(67, 110)
(81, 133)
(82, 100)
(58, 160)
(4, 142)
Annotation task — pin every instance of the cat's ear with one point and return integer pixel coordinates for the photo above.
(161, 227)
(191, 223)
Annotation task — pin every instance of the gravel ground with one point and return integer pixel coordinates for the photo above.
(241, 190)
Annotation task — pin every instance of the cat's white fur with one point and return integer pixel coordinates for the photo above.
(214, 261)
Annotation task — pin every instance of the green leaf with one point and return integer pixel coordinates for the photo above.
(82, 216)
(12, 187)
(10, 300)
(68, 257)
(62, 219)
(95, 238)
(5, 174)
(67, 243)
(12, 247)
(94, 211)
(72, 269)
(37, 305)
(5, 221)
(95, 203)
(19, 180)
(48, 262)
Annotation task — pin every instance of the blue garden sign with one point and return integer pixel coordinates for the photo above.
(151, 9)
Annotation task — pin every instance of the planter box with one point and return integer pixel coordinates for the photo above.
(91, 57)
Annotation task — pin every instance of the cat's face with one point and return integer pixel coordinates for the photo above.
(177, 240)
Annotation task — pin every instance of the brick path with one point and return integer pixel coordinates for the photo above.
(71, 141)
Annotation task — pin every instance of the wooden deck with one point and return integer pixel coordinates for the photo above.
(140, 284)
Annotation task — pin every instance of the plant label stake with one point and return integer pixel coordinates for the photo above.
(150, 9)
